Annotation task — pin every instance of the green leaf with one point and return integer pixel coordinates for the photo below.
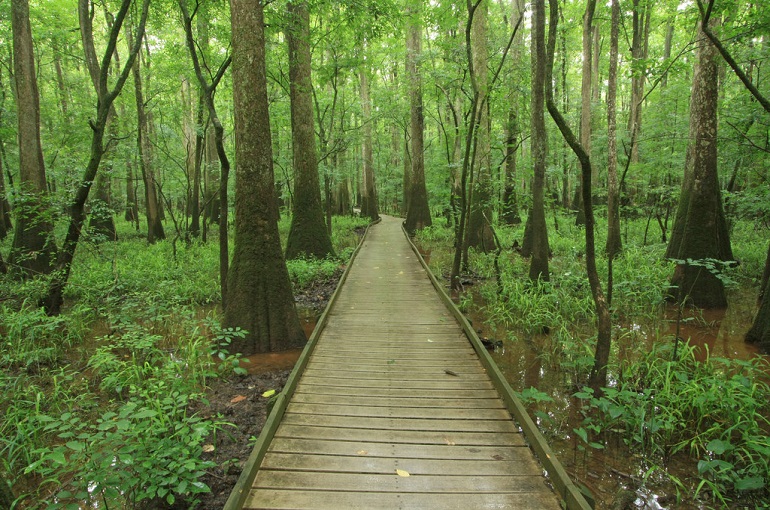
(718, 447)
(58, 456)
(76, 446)
(749, 484)
(145, 413)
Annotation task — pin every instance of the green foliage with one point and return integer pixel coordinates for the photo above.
(149, 448)
(716, 410)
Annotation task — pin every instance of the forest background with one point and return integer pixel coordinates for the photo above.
(440, 112)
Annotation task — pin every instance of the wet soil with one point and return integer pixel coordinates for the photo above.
(238, 400)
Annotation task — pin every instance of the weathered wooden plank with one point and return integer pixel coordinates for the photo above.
(401, 436)
(405, 451)
(327, 378)
(364, 482)
(333, 500)
(374, 423)
(399, 412)
(405, 401)
(524, 464)
(429, 374)
(393, 392)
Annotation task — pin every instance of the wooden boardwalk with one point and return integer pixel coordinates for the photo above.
(392, 407)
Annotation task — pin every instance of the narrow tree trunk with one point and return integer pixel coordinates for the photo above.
(308, 236)
(5, 207)
(479, 234)
(155, 230)
(613, 247)
(598, 377)
(259, 295)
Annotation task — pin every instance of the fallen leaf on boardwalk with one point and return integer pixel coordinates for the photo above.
(208, 448)
(401, 472)
(400, 272)
(239, 398)
(268, 393)
(451, 372)
(449, 442)
(362, 452)
(429, 340)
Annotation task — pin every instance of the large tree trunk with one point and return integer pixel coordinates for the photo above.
(33, 243)
(418, 212)
(700, 230)
(308, 236)
(537, 231)
(479, 234)
(641, 23)
(259, 294)
(614, 245)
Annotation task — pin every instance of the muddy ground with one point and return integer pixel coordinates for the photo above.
(238, 401)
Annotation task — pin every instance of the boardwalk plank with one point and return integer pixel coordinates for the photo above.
(394, 384)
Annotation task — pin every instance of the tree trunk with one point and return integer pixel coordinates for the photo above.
(700, 231)
(510, 212)
(33, 242)
(155, 230)
(418, 212)
(368, 188)
(105, 99)
(760, 329)
(614, 245)
(598, 377)
(259, 294)
(479, 234)
(5, 207)
(640, 21)
(308, 236)
(538, 231)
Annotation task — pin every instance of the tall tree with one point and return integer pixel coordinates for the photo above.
(155, 230)
(537, 231)
(369, 206)
(5, 207)
(613, 246)
(207, 96)
(700, 235)
(598, 377)
(510, 212)
(33, 244)
(479, 234)
(105, 98)
(308, 236)
(259, 294)
(418, 212)
(641, 15)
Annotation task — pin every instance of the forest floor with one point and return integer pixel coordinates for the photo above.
(238, 401)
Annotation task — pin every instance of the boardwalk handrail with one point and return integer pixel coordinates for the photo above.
(242, 487)
(564, 486)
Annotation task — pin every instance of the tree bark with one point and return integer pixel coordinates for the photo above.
(5, 207)
(105, 99)
(538, 231)
(479, 234)
(33, 242)
(308, 236)
(368, 189)
(700, 231)
(155, 230)
(614, 243)
(418, 211)
(598, 377)
(259, 294)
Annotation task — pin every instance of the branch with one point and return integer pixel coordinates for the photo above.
(705, 18)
